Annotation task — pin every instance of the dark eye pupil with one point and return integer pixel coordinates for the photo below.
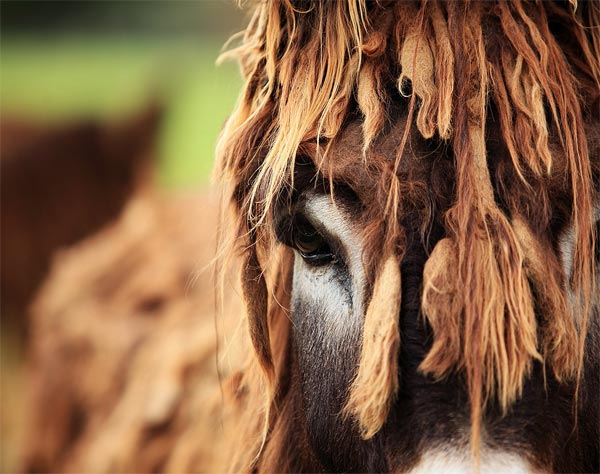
(310, 243)
(307, 239)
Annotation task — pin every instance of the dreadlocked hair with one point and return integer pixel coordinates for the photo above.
(307, 66)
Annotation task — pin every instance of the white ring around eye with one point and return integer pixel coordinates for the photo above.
(341, 299)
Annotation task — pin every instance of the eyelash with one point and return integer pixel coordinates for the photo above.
(309, 242)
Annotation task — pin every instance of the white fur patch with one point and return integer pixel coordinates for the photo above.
(567, 248)
(567, 244)
(452, 461)
(321, 285)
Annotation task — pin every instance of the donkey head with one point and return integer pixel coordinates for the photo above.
(414, 189)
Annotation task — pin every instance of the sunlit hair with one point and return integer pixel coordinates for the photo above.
(309, 65)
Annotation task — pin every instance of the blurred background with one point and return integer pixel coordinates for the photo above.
(109, 115)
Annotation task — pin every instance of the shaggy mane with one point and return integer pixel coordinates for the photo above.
(535, 67)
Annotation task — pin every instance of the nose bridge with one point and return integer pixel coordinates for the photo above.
(424, 408)
(428, 185)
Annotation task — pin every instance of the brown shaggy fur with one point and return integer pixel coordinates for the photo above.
(376, 382)
(308, 66)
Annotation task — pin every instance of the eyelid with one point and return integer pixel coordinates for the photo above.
(305, 206)
(331, 220)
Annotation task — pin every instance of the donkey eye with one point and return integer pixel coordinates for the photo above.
(307, 240)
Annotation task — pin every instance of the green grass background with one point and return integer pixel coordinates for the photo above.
(67, 78)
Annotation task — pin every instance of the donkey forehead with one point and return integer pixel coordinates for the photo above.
(348, 162)
(346, 157)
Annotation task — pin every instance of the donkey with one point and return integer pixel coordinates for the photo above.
(413, 190)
